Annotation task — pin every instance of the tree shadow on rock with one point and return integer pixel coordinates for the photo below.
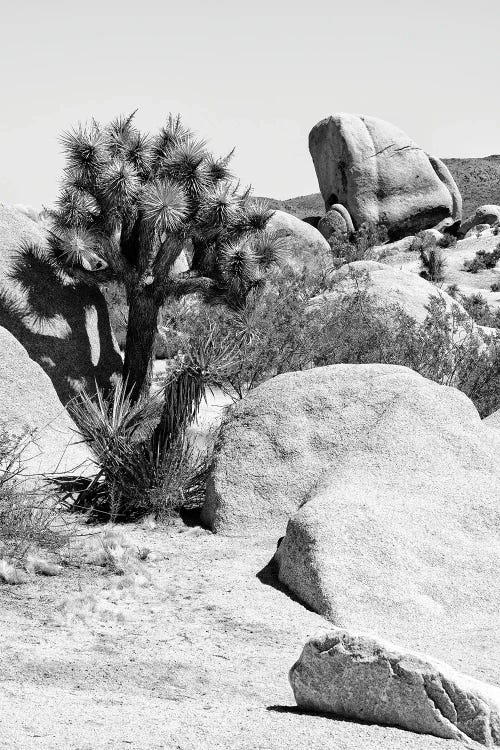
(63, 324)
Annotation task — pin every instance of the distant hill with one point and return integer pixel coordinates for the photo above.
(478, 180)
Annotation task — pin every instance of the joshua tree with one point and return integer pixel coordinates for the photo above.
(130, 204)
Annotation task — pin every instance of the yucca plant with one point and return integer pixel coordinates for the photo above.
(199, 364)
(113, 427)
(140, 469)
(129, 205)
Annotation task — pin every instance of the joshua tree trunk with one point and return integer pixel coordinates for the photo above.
(139, 346)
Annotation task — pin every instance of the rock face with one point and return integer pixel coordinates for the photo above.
(359, 677)
(391, 248)
(493, 421)
(29, 405)
(336, 223)
(272, 449)
(381, 176)
(399, 532)
(483, 215)
(305, 246)
(64, 325)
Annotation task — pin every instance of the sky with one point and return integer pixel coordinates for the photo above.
(256, 75)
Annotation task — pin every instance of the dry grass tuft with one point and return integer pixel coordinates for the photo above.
(30, 520)
(41, 566)
(109, 549)
(122, 563)
(10, 574)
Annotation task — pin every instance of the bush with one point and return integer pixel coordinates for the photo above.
(447, 240)
(29, 520)
(445, 348)
(432, 264)
(483, 260)
(271, 335)
(358, 245)
(285, 331)
(479, 310)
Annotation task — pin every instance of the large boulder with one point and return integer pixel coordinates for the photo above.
(63, 324)
(488, 214)
(336, 224)
(31, 410)
(389, 484)
(355, 676)
(381, 176)
(398, 529)
(304, 245)
(390, 249)
(493, 421)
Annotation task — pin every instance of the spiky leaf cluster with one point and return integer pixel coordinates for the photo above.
(129, 203)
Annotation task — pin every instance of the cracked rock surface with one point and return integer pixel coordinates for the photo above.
(380, 175)
(356, 676)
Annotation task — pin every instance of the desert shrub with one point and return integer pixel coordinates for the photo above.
(445, 347)
(272, 334)
(424, 241)
(477, 306)
(358, 245)
(479, 310)
(432, 264)
(483, 260)
(447, 240)
(29, 519)
(419, 241)
(368, 236)
(474, 266)
(141, 469)
(357, 329)
(294, 327)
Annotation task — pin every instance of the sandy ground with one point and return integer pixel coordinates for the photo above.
(195, 654)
